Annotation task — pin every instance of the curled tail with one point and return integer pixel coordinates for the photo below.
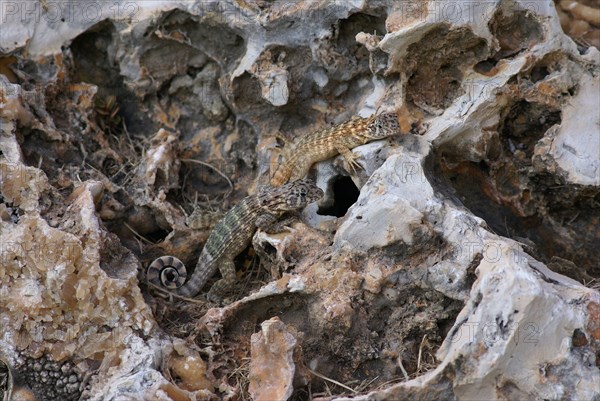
(170, 273)
(167, 271)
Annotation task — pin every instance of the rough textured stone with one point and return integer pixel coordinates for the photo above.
(423, 276)
(272, 365)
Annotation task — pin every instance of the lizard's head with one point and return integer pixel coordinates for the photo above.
(295, 195)
(384, 125)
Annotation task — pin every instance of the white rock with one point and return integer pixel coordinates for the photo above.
(576, 147)
(513, 338)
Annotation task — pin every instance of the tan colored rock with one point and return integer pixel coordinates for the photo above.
(414, 288)
(272, 365)
(189, 368)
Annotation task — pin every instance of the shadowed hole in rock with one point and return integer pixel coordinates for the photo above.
(538, 73)
(95, 62)
(524, 126)
(435, 77)
(156, 236)
(269, 249)
(345, 194)
(515, 30)
(485, 67)
(514, 34)
(525, 203)
(361, 22)
(579, 338)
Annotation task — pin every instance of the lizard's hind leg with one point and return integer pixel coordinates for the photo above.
(227, 269)
(167, 271)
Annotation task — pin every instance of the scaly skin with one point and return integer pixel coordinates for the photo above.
(329, 142)
(231, 236)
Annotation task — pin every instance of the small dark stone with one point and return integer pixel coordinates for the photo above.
(49, 380)
(72, 388)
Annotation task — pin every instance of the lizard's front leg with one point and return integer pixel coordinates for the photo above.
(349, 156)
(269, 222)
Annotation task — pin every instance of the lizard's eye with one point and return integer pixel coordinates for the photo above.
(264, 201)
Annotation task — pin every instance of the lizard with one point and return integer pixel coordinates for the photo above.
(326, 143)
(230, 237)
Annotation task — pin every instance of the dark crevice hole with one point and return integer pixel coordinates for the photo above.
(538, 73)
(485, 67)
(95, 61)
(515, 30)
(269, 249)
(345, 194)
(156, 236)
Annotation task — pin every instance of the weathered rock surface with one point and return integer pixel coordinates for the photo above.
(272, 366)
(460, 263)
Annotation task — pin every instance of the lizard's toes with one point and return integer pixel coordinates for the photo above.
(214, 298)
(353, 165)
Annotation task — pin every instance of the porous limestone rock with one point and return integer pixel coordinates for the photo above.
(272, 366)
(419, 277)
